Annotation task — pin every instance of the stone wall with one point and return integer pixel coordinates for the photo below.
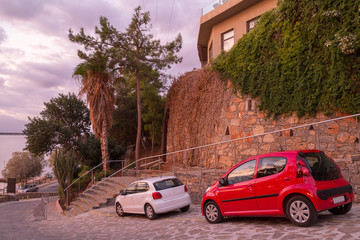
(204, 111)
(198, 183)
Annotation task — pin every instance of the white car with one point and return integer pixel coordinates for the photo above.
(29, 188)
(153, 196)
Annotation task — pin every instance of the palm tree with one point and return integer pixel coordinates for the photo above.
(97, 82)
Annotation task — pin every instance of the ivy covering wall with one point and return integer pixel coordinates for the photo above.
(303, 57)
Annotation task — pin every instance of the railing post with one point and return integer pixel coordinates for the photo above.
(285, 140)
(145, 169)
(92, 177)
(159, 168)
(200, 164)
(173, 164)
(215, 161)
(258, 145)
(186, 167)
(357, 127)
(67, 197)
(234, 153)
(318, 137)
(78, 186)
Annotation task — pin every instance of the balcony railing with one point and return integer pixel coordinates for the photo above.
(212, 6)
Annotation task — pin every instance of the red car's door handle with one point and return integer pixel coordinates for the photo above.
(287, 179)
(250, 186)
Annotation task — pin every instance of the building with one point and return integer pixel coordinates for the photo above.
(225, 21)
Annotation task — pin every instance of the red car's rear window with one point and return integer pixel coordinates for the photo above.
(322, 167)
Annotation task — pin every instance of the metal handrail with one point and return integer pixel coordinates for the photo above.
(219, 143)
(91, 170)
(237, 139)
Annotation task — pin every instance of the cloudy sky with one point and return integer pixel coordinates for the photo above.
(37, 59)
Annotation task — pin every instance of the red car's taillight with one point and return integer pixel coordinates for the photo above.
(156, 195)
(185, 188)
(302, 169)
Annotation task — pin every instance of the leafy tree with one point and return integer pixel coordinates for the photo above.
(125, 124)
(125, 128)
(144, 57)
(90, 151)
(63, 123)
(133, 53)
(24, 166)
(153, 115)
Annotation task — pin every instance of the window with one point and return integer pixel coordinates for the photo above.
(168, 183)
(270, 166)
(322, 167)
(131, 189)
(227, 40)
(242, 173)
(249, 105)
(211, 50)
(251, 23)
(142, 187)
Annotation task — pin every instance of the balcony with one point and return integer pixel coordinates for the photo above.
(212, 6)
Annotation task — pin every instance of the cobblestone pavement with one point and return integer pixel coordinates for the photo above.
(17, 222)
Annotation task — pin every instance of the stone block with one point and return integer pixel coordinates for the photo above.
(355, 179)
(235, 122)
(268, 138)
(311, 145)
(258, 129)
(333, 128)
(343, 137)
(233, 108)
(326, 139)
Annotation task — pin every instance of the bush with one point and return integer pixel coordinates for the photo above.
(99, 175)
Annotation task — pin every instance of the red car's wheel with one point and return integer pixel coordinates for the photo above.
(212, 212)
(301, 211)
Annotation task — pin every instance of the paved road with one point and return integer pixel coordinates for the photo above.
(50, 187)
(17, 222)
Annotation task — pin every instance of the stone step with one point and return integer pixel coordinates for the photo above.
(125, 181)
(113, 185)
(90, 201)
(108, 191)
(94, 197)
(83, 205)
(99, 196)
(75, 210)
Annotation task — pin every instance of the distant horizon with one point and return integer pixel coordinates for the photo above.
(11, 133)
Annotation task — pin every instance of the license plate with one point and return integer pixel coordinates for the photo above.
(338, 199)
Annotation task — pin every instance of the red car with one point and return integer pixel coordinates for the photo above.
(293, 184)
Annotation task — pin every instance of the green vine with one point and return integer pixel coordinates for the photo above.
(303, 57)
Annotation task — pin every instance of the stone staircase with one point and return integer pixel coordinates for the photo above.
(101, 194)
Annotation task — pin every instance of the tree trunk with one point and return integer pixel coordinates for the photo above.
(153, 133)
(104, 147)
(138, 135)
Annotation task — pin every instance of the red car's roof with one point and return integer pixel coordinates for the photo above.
(288, 152)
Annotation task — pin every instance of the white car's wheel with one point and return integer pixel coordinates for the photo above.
(119, 210)
(149, 212)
